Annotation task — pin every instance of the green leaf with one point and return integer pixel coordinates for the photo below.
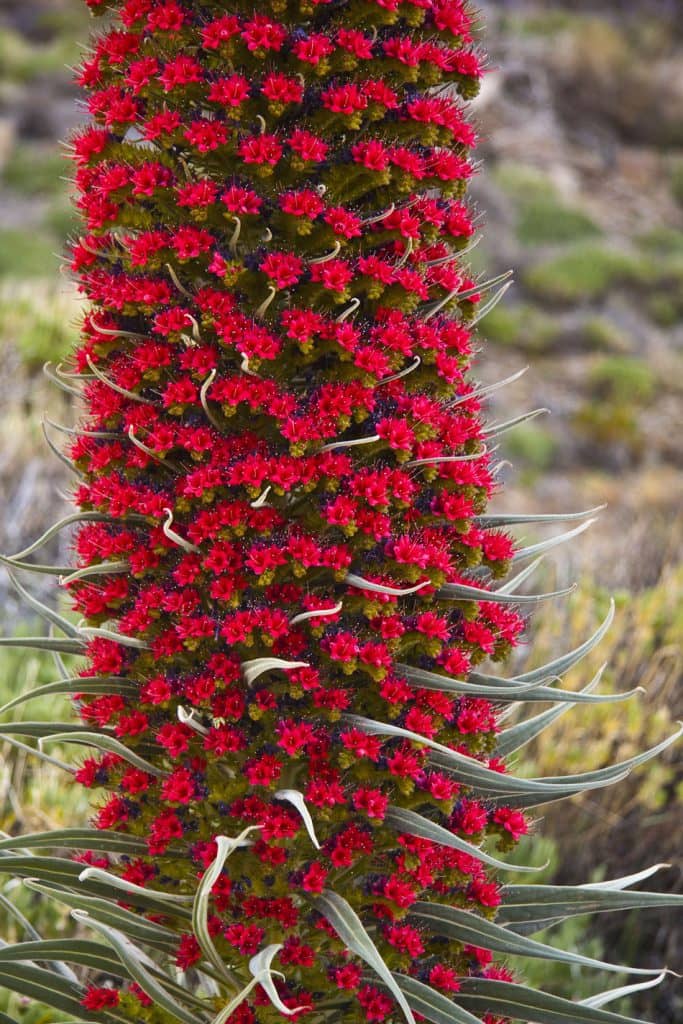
(79, 839)
(294, 797)
(560, 665)
(537, 906)
(225, 845)
(46, 987)
(41, 729)
(459, 592)
(602, 998)
(507, 1000)
(51, 869)
(515, 583)
(463, 926)
(260, 967)
(351, 931)
(165, 902)
(93, 684)
(414, 824)
(44, 643)
(106, 743)
(550, 542)
(507, 519)
(75, 517)
(137, 964)
(526, 792)
(75, 951)
(517, 736)
(109, 913)
(432, 1005)
(46, 613)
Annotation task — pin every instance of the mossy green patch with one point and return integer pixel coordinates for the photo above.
(585, 272)
(35, 171)
(545, 221)
(28, 253)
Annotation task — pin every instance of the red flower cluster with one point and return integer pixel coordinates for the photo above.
(290, 463)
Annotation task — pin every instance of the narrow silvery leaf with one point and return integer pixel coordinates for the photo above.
(509, 519)
(404, 820)
(75, 951)
(166, 901)
(37, 983)
(80, 685)
(482, 995)
(627, 880)
(105, 743)
(513, 585)
(44, 643)
(225, 845)
(379, 588)
(500, 428)
(526, 792)
(137, 964)
(432, 1005)
(79, 839)
(551, 542)
(517, 736)
(251, 670)
(296, 798)
(463, 926)
(318, 613)
(109, 913)
(260, 967)
(49, 614)
(560, 665)
(538, 906)
(40, 754)
(602, 998)
(461, 592)
(351, 931)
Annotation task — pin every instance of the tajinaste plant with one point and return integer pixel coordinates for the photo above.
(288, 576)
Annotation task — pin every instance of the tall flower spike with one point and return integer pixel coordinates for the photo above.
(288, 578)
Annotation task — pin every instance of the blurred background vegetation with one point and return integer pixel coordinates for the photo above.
(581, 191)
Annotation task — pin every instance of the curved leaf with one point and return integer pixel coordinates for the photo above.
(560, 665)
(522, 1003)
(538, 906)
(602, 998)
(414, 824)
(44, 643)
(550, 542)
(49, 614)
(137, 964)
(460, 592)
(78, 839)
(463, 926)
(293, 796)
(200, 909)
(74, 685)
(75, 951)
(260, 967)
(105, 743)
(257, 666)
(510, 519)
(526, 792)
(432, 1005)
(351, 931)
(517, 736)
(110, 914)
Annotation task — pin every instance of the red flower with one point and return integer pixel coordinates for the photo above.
(99, 998)
(282, 268)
